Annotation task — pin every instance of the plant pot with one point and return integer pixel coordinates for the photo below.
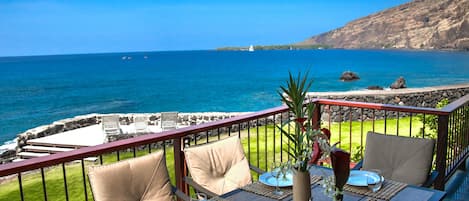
(301, 186)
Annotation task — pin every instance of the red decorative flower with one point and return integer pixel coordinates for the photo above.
(326, 132)
(317, 152)
(301, 121)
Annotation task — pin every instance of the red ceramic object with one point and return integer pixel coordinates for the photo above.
(341, 166)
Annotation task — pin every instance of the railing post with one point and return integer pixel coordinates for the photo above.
(180, 166)
(317, 116)
(441, 151)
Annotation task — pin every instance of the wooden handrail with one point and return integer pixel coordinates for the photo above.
(456, 104)
(378, 106)
(442, 143)
(441, 150)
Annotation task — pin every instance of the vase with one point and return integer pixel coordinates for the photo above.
(341, 167)
(301, 186)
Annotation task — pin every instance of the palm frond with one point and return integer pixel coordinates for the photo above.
(294, 96)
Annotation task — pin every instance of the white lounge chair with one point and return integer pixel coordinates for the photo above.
(141, 124)
(169, 120)
(111, 127)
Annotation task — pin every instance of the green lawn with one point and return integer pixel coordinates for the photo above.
(261, 145)
(358, 135)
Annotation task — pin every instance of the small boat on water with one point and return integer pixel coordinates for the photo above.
(251, 48)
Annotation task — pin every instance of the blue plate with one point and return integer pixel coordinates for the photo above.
(359, 178)
(283, 181)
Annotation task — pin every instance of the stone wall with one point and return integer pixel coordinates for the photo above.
(418, 97)
(184, 119)
(57, 127)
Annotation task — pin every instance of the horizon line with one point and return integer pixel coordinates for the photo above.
(95, 53)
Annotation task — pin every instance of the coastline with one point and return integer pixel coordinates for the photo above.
(390, 91)
(195, 118)
(427, 97)
(203, 116)
(421, 97)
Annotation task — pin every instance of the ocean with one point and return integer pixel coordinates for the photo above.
(38, 90)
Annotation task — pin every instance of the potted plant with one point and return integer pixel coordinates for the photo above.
(303, 134)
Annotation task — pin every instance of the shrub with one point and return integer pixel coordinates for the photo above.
(431, 121)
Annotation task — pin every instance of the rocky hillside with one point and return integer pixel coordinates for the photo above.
(420, 24)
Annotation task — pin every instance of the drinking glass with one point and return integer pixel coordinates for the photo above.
(374, 185)
(276, 171)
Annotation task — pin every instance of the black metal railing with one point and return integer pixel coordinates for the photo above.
(455, 127)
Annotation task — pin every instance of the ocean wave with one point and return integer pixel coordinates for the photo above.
(13, 141)
(263, 95)
(8, 145)
(21, 90)
(95, 108)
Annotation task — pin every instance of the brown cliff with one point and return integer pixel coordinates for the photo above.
(420, 24)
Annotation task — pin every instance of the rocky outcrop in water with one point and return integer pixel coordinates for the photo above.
(374, 87)
(349, 76)
(398, 84)
(420, 24)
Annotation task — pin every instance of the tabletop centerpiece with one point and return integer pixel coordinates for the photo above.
(309, 144)
(302, 134)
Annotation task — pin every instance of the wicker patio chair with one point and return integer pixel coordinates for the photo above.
(138, 179)
(403, 159)
(219, 167)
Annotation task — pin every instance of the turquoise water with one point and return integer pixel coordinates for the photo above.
(39, 90)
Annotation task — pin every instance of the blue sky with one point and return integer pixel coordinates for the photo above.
(66, 27)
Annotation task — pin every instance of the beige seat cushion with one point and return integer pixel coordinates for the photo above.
(220, 166)
(403, 159)
(139, 179)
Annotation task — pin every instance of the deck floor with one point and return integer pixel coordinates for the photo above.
(462, 192)
(457, 186)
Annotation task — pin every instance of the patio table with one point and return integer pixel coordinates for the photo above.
(409, 193)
